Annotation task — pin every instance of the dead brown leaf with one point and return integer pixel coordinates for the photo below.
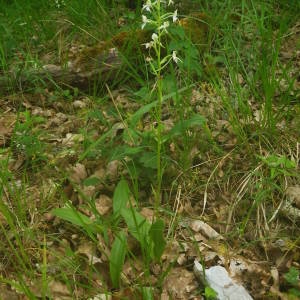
(180, 284)
(293, 193)
(148, 213)
(7, 121)
(59, 291)
(78, 173)
(7, 294)
(88, 249)
(103, 204)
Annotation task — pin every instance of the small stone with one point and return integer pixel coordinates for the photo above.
(79, 104)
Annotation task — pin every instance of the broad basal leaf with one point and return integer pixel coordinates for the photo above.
(156, 233)
(73, 216)
(121, 196)
(117, 257)
(137, 225)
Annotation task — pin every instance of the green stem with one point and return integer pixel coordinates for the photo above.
(159, 112)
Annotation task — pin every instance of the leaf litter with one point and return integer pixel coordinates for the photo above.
(180, 282)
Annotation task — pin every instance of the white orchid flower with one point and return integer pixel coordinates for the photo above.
(175, 18)
(164, 26)
(154, 37)
(145, 20)
(149, 45)
(147, 6)
(175, 58)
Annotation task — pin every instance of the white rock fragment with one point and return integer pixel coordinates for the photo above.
(79, 104)
(218, 279)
